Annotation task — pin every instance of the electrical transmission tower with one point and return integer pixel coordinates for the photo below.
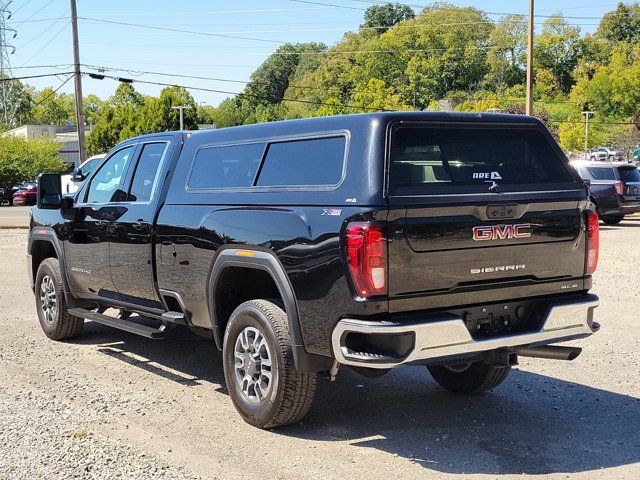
(8, 89)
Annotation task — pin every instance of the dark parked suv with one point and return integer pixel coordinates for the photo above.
(615, 188)
(453, 241)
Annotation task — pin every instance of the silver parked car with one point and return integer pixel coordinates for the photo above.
(605, 154)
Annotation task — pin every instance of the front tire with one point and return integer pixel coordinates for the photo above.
(55, 320)
(476, 377)
(259, 369)
(612, 219)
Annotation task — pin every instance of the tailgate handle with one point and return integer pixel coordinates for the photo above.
(502, 211)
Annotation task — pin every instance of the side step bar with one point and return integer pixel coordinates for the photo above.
(120, 324)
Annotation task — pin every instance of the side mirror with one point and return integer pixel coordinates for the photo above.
(77, 175)
(49, 188)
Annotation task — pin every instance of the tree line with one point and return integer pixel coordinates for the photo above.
(441, 57)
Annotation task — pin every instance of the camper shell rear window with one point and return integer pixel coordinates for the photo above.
(425, 159)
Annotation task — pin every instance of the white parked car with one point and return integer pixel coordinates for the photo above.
(71, 182)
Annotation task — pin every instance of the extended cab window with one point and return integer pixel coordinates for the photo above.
(106, 185)
(428, 160)
(602, 173)
(146, 175)
(311, 162)
(226, 166)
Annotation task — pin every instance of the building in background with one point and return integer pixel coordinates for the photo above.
(66, 135)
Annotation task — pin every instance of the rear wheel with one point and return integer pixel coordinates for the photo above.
(259, 370)
(469, 378)
(55, 320)
(612, 219)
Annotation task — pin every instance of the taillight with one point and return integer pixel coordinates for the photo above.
(619, 188)
(593, 241)
(367, 258)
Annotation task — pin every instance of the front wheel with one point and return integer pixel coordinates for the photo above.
(55, 320)
(259, 370)
(612, 219)
(476, 377)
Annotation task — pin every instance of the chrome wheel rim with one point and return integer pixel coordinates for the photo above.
(48, 299)
(253, 365)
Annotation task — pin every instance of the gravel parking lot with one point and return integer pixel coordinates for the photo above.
(113, 405)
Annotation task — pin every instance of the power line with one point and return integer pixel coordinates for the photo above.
(40, 9)
(240, 94)
(53, 92)
(22, 6)
(47, 43)
(333, 5)
(26, 77)
(169, 29)
(45, 30)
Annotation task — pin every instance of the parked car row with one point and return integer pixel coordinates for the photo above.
(21, 194)
(614, 188)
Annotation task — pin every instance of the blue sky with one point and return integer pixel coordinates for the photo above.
(45, 36)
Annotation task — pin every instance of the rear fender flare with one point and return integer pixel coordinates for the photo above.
(265, 261)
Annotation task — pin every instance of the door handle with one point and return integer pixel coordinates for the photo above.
(140, 225)
(102, 224)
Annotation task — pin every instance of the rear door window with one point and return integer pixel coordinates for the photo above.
(629, 174)
(229, 166)
(146, 174)
(313, 162)
(425, 160)
(602, 173)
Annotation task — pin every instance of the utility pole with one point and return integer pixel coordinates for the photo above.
(587, 115)
(181, 108)
(529, 105)
(78, 83)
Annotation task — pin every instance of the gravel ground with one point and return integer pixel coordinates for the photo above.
(113, 405)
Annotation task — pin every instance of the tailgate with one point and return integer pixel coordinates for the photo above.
(444, 250)
(483, 213)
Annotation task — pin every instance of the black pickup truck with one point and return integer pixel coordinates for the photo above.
(451, 241)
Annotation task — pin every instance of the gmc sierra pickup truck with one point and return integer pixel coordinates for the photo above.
(452, 241)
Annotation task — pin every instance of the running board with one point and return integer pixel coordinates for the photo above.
(120, 324)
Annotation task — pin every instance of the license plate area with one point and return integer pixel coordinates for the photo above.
(500, 319)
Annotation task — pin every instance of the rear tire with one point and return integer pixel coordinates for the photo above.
(477, 377)
(612, 219)
(55, 320)
(259, 369)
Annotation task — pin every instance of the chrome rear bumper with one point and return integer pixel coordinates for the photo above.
(446, 336)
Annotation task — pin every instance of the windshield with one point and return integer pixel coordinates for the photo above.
(427, 157)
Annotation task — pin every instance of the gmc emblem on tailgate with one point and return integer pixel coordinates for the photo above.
(501, 232)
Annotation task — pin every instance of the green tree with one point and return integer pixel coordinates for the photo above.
(383, 17)
(229, 113)
(271, 79)
(114, 125)
(621, 25)
(18, 103)
(93, 107)
(51, 108)
(507, 54)
(125, 94)
(557, 50)
(24, 159)
(376, 96)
